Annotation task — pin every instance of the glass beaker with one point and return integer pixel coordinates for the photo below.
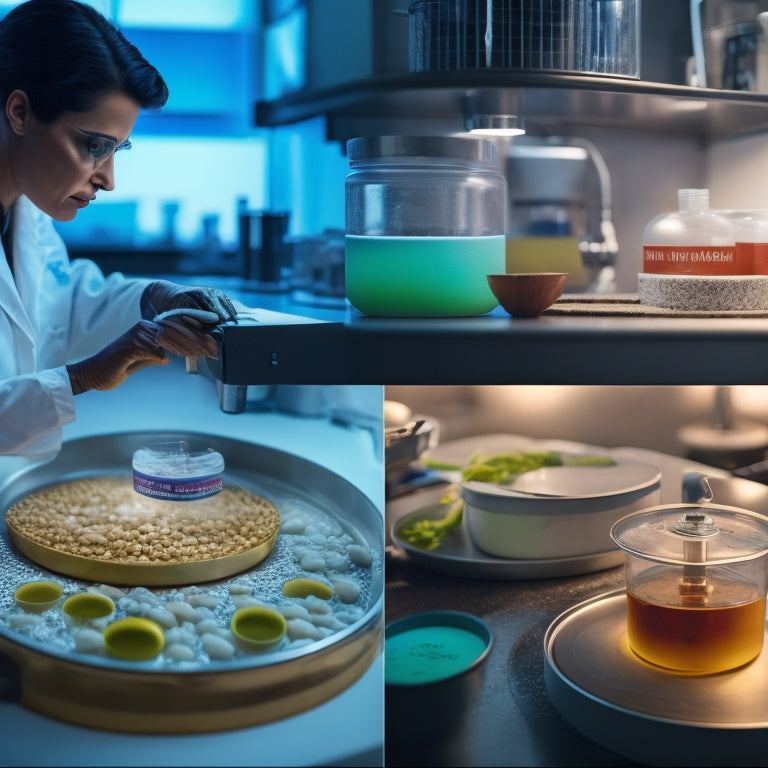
(425, 218)
(696, 580)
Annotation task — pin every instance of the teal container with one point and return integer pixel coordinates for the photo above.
(433, 669)
(424, 221)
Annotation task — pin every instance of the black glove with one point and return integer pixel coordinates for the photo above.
(186, 332)
(162, 296)
(134, 350)
(182, 332)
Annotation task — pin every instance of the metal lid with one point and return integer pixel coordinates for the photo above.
(666, 533)
(466, 148)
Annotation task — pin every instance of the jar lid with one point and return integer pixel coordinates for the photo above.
(466, 148)
(682, 533)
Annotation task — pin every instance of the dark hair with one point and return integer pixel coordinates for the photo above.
(66, 56)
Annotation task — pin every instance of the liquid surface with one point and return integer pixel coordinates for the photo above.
(547, 254)
(428, 654)
(702, 635)
(422, 276)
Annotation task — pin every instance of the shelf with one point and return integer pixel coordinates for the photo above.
(557, 350)
(550, 102)
(335, 346)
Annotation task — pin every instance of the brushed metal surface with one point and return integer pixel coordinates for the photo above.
(646, 713)
(113, 694)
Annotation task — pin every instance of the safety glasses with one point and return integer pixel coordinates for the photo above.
(99, 146)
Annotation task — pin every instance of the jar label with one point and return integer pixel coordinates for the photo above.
(176, 489)
(698, 259)
(759, 256)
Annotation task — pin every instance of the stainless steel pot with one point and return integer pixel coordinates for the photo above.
(112, 694)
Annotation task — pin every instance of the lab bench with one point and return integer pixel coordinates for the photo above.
(496, 348)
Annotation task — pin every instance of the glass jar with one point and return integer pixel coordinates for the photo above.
(174, 472)
(696, 585)
(425, 225)
(562, 35)
(694, 240)
(750, 233)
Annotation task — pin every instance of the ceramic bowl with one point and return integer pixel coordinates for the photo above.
(574, 521)
(527, 294)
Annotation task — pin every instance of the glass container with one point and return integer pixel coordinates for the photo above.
(694, 240)
(425, 222)
(696, 580)
(595, 36)
(173, 471)
(750, 233)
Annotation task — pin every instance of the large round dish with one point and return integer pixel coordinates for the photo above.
(575, 522)
(140, 697)
(154, 574)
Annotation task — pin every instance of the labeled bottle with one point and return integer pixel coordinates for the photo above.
(424, 225)
(695, 240)
(750, 233)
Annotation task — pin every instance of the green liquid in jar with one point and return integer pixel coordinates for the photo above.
(422, 276)
(428, 654)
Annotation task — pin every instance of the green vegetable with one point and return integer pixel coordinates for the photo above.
(502, 468)
(429, 534)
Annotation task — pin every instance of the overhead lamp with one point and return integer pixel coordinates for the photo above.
(496, 125)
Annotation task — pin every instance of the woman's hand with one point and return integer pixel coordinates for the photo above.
(162, 296)
(182, 332)
(134, 350)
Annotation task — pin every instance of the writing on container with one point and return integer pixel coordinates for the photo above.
(174, 489)
(699, 259)
(688, 255)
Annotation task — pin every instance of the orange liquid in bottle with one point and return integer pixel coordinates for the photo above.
(723, 631)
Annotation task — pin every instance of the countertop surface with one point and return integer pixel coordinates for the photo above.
(511, 719)
(345, 730)
(498, 349)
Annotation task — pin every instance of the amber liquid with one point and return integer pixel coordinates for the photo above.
(722, 632)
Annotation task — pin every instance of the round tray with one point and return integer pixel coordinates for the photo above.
(154, 574)
(144, 697)
(458, 556)
(646, 713)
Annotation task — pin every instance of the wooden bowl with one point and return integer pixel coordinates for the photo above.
(527, 294)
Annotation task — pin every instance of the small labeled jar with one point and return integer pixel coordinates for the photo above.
(750, 234)
(424, 220)
(174, 472)
(696, 580)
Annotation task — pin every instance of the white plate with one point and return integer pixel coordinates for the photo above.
(458, 556)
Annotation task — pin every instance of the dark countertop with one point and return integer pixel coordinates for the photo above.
(498, 349)
(512, 720)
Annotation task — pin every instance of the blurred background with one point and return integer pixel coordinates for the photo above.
(259, 113)
(201, 160)
(722, 426)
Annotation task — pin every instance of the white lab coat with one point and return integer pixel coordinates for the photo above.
(54, 312)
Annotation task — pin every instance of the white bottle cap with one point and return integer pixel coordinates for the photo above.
(693, 199)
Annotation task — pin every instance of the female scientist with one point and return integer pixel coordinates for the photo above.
(71, 87)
